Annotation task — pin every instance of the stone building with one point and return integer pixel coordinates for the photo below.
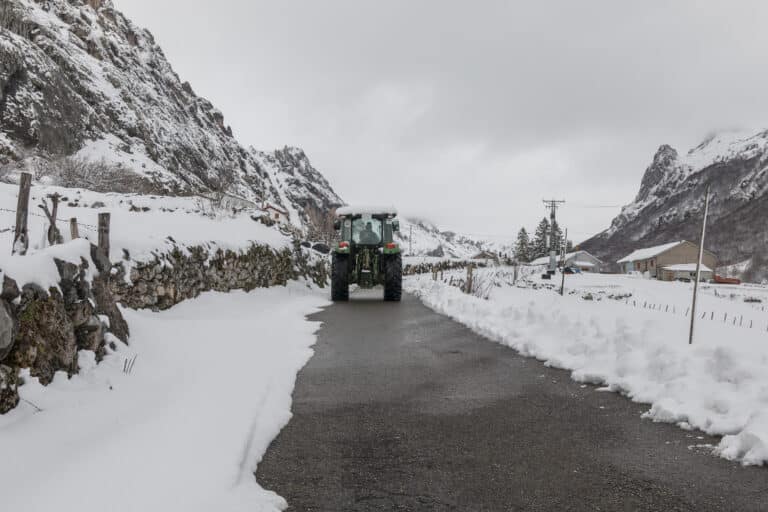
(671, 256)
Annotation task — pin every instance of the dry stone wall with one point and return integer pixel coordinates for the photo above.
(43, 329)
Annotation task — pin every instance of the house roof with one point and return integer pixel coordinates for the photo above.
(545, 259)
(275, 208)
(648, 252)
(686, 267)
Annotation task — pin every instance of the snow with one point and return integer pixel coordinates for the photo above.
(184, 430)
(188, 221)
(687, 267)
(631, 335)
(648, 252)
(38, 267)
(366, 210)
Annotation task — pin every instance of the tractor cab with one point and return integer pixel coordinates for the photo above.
(367, 254)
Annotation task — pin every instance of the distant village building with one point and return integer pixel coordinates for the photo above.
(276, 214)
(582, 260)
(685, 271)
(668, 260)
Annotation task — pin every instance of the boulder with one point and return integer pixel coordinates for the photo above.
(9, 392)
(46, 341)
(8, 329)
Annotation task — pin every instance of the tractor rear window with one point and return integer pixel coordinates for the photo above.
(366, 230)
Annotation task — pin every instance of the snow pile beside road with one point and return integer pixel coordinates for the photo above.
(184, 430)
(718, 385)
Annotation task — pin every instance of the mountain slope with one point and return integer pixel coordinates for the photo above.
(669, 205)
(79, 78)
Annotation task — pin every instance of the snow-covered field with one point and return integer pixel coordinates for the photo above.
(210, 387)
(631, 335)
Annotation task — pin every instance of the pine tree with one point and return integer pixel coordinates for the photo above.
(523, 246)
(540, 247)
(557, 243)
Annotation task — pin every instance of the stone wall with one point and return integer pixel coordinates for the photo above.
(43, 329)
(184, 273)
(427, 268)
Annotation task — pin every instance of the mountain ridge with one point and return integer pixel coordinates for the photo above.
(670, 202)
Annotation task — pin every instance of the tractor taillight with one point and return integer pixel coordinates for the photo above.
(391, 245)
(343, 245)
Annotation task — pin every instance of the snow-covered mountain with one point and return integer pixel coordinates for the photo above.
(429, 240)
(670, 203)
(78, 78)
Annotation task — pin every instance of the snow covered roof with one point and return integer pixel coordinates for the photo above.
(583, 264)
(545, 259)
(687, 267)
(648, 252)
(366, 210)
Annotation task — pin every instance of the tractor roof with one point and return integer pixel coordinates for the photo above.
(346, 211)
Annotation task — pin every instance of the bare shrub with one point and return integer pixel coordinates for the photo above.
(99, 176)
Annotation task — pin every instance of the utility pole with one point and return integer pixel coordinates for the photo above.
(410, 242)
(698, 265)
(562, 267)
(552, 205)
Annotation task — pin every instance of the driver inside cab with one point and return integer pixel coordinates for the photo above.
(368, 236)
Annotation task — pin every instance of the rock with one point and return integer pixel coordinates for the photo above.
(321, 248)
(9, 393)
(8, 329)
(90, 336)
(105, 305)
(10, 289)
(46, 341)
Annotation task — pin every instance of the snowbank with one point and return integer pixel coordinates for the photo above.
(140, 225)
(718, 385)
(184, 430)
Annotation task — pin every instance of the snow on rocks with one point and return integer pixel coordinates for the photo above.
(209, 389)
(718, 385)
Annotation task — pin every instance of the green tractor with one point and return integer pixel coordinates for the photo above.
(366, 254)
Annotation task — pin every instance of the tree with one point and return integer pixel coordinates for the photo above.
(540, 237)
(569, 246)
(557, 241)
(523, 246)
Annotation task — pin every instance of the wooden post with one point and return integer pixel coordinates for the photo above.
(54, 236)
(103, 247)
(469, 279)
(73, 231)
(21, 235)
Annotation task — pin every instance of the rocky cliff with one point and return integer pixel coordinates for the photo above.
(78, 78)
(669, 205)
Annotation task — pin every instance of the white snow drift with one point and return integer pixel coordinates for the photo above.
(210, 388)
(639, 345)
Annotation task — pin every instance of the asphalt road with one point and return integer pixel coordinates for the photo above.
(403, 409)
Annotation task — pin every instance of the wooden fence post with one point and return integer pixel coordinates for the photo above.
(21, 234)
(103, 247)
(73, 231)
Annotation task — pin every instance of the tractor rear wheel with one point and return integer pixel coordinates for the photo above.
(393, 277)
(340, 277)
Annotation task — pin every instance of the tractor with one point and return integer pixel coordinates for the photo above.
(366, 254)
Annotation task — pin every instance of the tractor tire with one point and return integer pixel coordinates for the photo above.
(393, 277)
(340, 278)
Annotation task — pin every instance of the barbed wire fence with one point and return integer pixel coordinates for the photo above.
(20, 228)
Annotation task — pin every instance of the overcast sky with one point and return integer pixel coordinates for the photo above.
(470, 113)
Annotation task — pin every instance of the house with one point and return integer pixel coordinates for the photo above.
(275, 213)
(654, 259)
(582, 260)
(685, 271)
